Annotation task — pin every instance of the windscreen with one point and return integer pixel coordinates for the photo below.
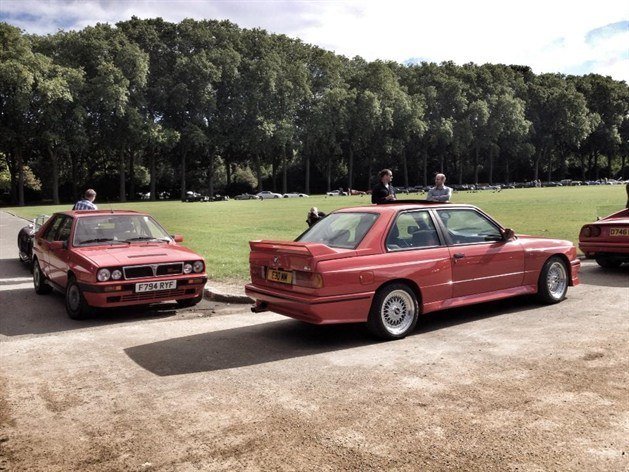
(117, 228)
(342, 230)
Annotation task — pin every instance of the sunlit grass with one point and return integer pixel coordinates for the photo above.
(220, 231)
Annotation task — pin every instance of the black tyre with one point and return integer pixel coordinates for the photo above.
(553, 281)
(188, 302)
(39, 280)
(76, 306)
(608, 262)
(394, 312)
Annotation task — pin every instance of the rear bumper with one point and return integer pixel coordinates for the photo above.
(594, 249)
(352, 308)
(97, 297)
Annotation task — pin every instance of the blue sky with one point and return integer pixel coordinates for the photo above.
(573, 37)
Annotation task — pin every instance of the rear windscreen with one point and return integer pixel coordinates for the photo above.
(342, 230)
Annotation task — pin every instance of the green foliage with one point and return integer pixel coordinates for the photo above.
(188, 100)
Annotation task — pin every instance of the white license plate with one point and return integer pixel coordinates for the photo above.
(155, 286)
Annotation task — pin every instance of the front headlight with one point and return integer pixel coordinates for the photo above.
(103, 275)
(198, 266)
(116, 274)
(187, 268)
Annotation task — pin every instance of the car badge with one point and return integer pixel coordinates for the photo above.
(276, 261)
(154, 268)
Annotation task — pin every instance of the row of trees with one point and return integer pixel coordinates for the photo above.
(206, 105)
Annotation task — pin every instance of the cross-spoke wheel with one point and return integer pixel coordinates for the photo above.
(553, 281)
(394, 312)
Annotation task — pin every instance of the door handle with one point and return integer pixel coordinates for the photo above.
(458, 255)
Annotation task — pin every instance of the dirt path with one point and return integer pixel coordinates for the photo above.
(501, 386)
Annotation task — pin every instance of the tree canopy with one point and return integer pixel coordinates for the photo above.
(148, 105)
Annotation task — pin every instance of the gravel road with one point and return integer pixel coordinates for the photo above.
(511, 385)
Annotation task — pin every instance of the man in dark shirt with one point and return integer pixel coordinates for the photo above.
(383, 191)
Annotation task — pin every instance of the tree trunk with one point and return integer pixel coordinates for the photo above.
(228, 172)
(20, 176)
(476, 153)
(350, 167)
(328, 174)
(153, 186)
(284, 169)
(425, 166)
(121, 173)
(75, 175)
(550, 166)
(405, 167)
(507, 173)
(491, 164)
(183, 175)
(259, 171)
(307, 169)
(55, 174)
(211, 174)
(131, 175)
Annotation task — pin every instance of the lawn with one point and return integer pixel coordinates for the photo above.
(220, 231)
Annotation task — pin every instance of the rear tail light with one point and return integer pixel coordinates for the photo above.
(307, 279)
(591, 231)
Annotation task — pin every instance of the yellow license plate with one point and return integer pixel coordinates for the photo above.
(619, 231)
(279, 276)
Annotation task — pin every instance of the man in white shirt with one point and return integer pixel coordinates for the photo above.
(439, 193)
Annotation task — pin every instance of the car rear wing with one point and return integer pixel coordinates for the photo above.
(289, 247)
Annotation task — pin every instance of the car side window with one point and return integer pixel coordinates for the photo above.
(468, 226)
(63, 234)
(412, 230)
(51, 231)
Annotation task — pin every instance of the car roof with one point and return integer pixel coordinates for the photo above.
(401, 205)
(84, 213)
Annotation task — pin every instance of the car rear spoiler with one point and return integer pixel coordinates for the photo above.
(288, 247)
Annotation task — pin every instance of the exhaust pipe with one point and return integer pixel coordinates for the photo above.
(259, 307)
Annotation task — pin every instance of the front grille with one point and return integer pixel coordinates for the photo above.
(155, 270)
(164, 294)
(170, 269)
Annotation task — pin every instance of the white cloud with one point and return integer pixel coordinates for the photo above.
(549, 36)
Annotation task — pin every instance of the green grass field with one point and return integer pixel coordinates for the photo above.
(220, 231)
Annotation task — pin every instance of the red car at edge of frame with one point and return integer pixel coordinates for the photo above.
(388, 264)
(607, 240)
(114, 258)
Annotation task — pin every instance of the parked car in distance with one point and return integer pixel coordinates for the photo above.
(385, 265)
(336, 193)
(607, 240)
(246, 196)
(25, 238)
(266, 194)
(295, 195)
(114, 258)
(196, 197)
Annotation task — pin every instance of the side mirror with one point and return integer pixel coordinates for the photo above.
(178, 238)
(56, 245)
(508, 234)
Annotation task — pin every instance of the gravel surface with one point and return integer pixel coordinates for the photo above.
(511, 385)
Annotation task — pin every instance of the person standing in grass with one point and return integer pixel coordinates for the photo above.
(87, 203)
(383, 192)
(439, 193)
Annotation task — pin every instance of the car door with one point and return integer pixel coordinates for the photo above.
(482, 261)
(58, 258)
(41, 248)
(417, 252)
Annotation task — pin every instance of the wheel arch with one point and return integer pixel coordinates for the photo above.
(408, 282)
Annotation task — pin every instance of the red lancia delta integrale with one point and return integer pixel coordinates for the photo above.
(115, 258)
(387, 264)
(607, 240)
